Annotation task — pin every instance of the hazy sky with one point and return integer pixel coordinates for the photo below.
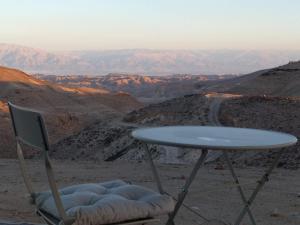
(159, 24)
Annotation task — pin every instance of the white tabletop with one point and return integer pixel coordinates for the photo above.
(215, 138)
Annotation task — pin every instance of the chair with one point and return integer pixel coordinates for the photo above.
(112, 202)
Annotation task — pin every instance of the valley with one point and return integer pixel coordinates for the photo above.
(233, 107)
(103, 131)
(147, 89)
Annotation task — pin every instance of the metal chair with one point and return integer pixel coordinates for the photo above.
(29, 129)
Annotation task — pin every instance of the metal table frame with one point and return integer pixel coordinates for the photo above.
(182, 194)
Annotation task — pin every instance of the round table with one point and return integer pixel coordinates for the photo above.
(215, 138)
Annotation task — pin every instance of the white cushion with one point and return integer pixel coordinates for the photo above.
(108, 202)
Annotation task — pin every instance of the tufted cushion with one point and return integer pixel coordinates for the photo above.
(108, 202)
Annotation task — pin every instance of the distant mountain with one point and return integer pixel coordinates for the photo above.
(282, 81)
(145, 88)
(142, 61)
(67, 110)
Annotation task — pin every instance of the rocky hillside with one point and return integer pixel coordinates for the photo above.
(67, 110)
(109, 138)
(112, 140)
(271, 113)
(256, 106)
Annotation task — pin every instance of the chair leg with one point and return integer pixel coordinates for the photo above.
(259, 186)
(49, 222)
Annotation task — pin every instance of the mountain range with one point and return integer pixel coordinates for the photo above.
(142, 61)
(144, 88)
(282, 81)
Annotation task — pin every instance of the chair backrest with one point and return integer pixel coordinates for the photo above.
(29, 127)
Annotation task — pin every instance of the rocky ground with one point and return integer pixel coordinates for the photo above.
(271, 113)
(212, 194)
(187, 110)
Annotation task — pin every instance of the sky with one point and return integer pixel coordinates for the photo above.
(62, 25)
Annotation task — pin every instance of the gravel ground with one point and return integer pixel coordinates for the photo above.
(271, 113)
(212, 194)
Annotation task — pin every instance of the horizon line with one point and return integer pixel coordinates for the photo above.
(149, 49)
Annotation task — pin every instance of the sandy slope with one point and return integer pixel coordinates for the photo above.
(67, 110)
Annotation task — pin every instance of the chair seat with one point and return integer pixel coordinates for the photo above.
(108, 202)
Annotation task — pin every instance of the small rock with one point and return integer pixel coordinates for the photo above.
(219, 167)
(295, 216)
(275, 213)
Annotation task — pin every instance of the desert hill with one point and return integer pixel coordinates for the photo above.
(145, 88)
(280, 81)
(111, 141)
(109, 137)
(67, 110)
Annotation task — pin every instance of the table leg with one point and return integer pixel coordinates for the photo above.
(260, 184)
(159, 185)
(236, 180)
(185, 189)
(154, 170)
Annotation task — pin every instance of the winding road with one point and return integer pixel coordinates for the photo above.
(215, 105)
(214, 109)
(213, 118)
